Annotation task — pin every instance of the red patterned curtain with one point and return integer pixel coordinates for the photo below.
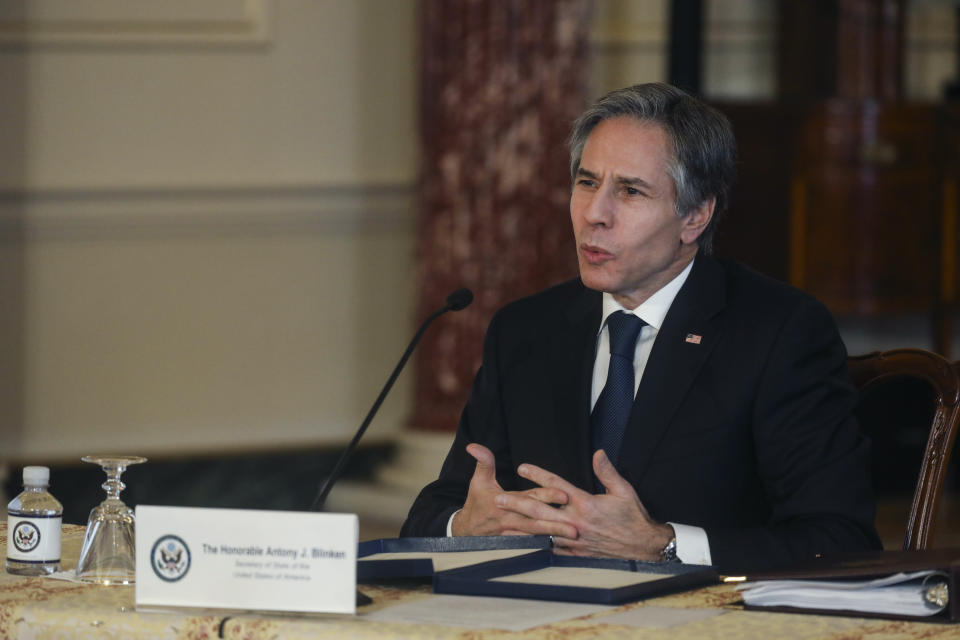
(501, 82)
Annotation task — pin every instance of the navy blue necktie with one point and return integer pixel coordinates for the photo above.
(609, 418)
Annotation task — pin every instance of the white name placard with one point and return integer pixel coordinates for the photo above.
(246, 559)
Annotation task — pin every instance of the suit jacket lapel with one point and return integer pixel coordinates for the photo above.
(674, 363)
(574, 352)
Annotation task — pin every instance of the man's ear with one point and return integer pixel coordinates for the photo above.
(696, 221)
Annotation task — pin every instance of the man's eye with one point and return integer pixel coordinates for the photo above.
(586, 182)
(630, 191)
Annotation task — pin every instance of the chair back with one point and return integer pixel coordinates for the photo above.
(907, 368)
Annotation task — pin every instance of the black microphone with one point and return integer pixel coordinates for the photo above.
(459, 299)
(456, 301)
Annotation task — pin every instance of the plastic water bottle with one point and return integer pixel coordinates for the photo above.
(33, 527)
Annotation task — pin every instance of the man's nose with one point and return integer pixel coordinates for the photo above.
(601, 208)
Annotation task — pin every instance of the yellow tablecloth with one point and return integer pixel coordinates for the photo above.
(47, 608)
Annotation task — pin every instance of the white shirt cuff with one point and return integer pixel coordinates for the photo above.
(692, 544)
(450, 525)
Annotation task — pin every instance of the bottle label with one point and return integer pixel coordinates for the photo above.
(33, 538)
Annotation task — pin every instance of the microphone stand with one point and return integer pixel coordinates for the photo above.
(455, 302)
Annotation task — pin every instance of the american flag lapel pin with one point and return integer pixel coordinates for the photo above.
(693, 338)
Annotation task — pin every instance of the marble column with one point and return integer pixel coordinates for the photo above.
(501, 82)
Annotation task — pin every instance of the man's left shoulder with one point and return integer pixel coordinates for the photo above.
(756, 292)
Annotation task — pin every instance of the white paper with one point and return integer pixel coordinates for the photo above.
(480, 612)
(70, 575)
(446, 560)
(658, 617)
(246, 559)
(899, 594)
(589, 577)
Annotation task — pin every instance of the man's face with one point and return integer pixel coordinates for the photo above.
(630, 241)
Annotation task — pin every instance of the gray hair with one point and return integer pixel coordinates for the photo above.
(704, 149)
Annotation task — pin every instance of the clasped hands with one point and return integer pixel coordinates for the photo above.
(613, 524)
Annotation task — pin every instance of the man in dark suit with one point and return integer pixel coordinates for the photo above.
(665, 405)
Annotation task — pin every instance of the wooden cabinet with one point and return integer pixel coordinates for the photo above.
(865, 228)
(844, 189)
(852, 200)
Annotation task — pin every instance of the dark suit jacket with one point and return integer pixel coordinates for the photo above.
(749, 434)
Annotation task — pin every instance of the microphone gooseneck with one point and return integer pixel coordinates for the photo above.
(456, 301)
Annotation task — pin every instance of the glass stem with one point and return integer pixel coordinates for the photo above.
(113, 486)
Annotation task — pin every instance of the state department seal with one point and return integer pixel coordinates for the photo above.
(26, 536)
(170, 558)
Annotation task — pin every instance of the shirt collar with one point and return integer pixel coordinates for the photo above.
(654, 309)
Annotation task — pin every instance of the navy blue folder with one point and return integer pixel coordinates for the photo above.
(478, 579)
(423, 567)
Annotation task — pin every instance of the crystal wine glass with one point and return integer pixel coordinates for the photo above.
(107, 555)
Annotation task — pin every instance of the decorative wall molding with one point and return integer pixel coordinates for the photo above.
(617, 36)
(647, 35)
(83, 23)
(929, 27)
(64, 214)
(740, 34)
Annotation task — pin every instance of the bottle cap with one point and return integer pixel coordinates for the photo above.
(36, 476)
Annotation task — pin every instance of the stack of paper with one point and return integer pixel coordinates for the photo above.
(919, 593)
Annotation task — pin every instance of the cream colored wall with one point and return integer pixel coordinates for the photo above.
(206, 239)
